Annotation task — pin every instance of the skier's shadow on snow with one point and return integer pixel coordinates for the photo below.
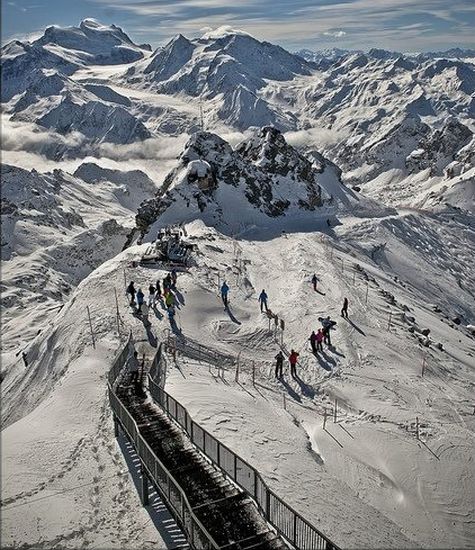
(328, 358)
(179, 296)
(175, 328)
(306, 389)
(157, 312)
(152, 339)
(231, 315)
(292, 393)
(324, 362)
(356, 327)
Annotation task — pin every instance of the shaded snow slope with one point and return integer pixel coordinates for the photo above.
(56, 229)
(65, 480)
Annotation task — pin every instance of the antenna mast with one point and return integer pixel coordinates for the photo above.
(201, 117)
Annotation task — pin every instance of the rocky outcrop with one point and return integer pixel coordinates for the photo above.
(264, 175)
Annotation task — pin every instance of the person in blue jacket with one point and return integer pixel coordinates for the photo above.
(140, 300)
(224, 293)
(263, 299)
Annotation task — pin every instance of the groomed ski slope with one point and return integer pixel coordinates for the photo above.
(366, 481)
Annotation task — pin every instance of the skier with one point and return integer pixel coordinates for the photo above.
(133, 367)
(263, 299)
(159, 290)
(25, 358)
(171, 313)
(173, 278)
(224, 293)
(166, 284)
(170, 299)
(131, 290)
(344, 309)
(151, 295)
(314, 282)
(293, 358)
(329, 222)
(327, 325)
(140, 300)
(279, 363)
(319, 338)
(313, 341)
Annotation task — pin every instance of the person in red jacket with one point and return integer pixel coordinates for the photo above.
(293, 358)
(319, 339)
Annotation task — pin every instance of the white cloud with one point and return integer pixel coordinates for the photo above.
(24, 145)
(156, 148)
(318, 137)
(24, 136)
(334, 34)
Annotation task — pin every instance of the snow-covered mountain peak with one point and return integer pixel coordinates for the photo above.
(93, 24)
(215, 64)
(92, 43)
(221, 32)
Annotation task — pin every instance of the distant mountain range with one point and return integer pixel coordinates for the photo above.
(387, 110)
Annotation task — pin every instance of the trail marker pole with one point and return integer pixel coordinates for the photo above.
(389, 320)
(417, 427)
(335, 413)
(90, 326)
(117, 312)
(325, 418)
(367, 290)
(285, 402)
(423, 364)
(342, 266)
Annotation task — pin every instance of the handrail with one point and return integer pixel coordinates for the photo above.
(184, 345)
(165, 483)
(289, 523)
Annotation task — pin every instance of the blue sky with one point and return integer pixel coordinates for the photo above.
(404, 25)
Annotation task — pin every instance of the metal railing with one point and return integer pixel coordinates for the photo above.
(197, 351)
(119, 362)
(289, 523)
(153, 469)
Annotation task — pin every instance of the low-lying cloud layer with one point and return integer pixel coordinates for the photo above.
(27, 145)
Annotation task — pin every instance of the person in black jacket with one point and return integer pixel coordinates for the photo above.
(279, 363)
(131, 290)
(344, 309)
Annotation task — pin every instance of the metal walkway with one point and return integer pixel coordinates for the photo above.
(229, 518)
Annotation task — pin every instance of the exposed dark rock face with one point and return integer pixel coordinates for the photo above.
(266, 171)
